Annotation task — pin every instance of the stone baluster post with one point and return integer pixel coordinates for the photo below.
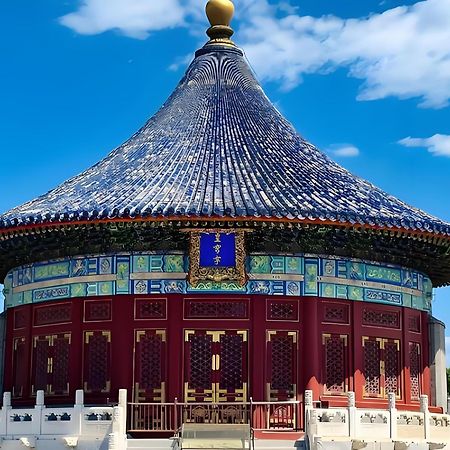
(426, 416)
(309, 406)
(78, 413)
(352, 414)
(392, 416)
(4, 413)
(118, 435)
(123, 405)
(36, 422)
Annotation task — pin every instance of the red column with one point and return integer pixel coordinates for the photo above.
(258, 349)
(310, 356)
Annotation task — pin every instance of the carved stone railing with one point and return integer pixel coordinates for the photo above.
(33, 427)
(375, 424)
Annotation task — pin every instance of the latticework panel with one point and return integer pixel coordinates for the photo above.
(414, 369)
(150, 349)
(220, 309)
(50, 315)
(150, 373)
(392, 368)
(231, 361)
(372, 370)
(282, 365)
(20, 319)
(146, 308)
(335, 363)
(282, 310)
(61, 360)
(97, 361)
(97, 311)
(385, 319)
(333, 313)
(200, 357)
(414, 324)
(19, 366)
(41, 364)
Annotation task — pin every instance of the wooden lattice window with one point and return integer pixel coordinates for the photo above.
(216, 309)
(150, 308)
(19, 366)
(414, 369)
(150, 365)
(53, 314)
(20, 319)
(50, 364)
(97, 310)
(381, 362)
(282, 310)
(335, 313)
(281, 365)
(335, 363)
(414, 324)
(380, 318)
(97, 361)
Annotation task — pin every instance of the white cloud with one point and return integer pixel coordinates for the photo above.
(133, 18)
(438, 145)
(344, 150)
(403, 52)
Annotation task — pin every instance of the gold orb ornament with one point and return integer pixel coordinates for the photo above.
(220, 12)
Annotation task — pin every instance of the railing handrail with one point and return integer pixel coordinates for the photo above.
(287, 402)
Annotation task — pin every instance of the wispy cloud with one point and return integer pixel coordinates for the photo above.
(133, 18)
(403, 52)
(344, 150)
(438, 145)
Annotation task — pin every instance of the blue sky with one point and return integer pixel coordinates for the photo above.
(366, 81)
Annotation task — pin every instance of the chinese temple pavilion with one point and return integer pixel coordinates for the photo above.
(216, 256)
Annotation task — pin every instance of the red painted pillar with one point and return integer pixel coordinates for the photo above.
(426, 377)
(258, 349)
(310, 357)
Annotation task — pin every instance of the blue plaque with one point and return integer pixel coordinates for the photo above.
(218, 250)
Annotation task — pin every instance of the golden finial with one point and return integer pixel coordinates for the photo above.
(220, 13)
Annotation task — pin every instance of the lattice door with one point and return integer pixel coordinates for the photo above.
(281, 365)
(231, 364)
(216, 366)
(335, 363)
(381, 367)
(97, 361)
(150, 366)
(19, 366)
(415, 370)
(50, 369)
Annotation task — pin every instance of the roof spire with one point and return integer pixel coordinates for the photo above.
(220, 13)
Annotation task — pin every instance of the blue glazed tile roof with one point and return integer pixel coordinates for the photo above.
(218, 147)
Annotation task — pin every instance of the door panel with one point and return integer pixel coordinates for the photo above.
(215, 366)
(150, 366)
(281, 365)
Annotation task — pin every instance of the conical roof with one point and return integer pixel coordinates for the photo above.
(218, 148)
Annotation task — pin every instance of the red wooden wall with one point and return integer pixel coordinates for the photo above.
(103, 344)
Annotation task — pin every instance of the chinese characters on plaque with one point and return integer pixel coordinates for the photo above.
(217, 250)
(217, 256)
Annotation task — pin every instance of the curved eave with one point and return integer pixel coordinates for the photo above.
(195, 221)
